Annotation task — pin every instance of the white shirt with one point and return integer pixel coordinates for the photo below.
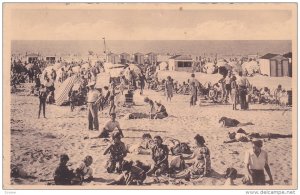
(93, 96)
(257, 163)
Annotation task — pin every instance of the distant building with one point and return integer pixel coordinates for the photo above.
(181, 63)
(125, 58)
(31, 58)
(139, 58)
(113, 58)
(51, 59)
(152, 58)
(275, 65)
(163, 58)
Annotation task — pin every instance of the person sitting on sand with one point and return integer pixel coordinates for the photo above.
(242, 136)
(152, 107)
(202, 165)
(84, 171)
(160, 154)
(230, 175)
(228, 122)
(117, 151)
(161, 111)
(144, 147)
(110, 127)
(63, 175)
(256, 161)
(131, 175)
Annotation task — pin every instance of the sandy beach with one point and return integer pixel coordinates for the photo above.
(36, 144)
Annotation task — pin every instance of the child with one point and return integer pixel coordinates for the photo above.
(117, 152)
(231, 174)
(112, 108)
(84, 171)
(72, 99)
(62, 174)
(234, 92)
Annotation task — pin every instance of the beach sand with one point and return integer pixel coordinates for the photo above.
(36, 144)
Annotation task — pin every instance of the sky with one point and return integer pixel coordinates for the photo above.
(49, 24)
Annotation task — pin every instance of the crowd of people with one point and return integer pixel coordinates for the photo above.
(231, 88)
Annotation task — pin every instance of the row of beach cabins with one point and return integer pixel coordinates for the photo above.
(273, 65)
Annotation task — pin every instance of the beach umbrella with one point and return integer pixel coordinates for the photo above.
(210, 68)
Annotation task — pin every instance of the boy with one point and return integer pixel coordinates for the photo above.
(84, 171)
(117, 152)
(62, 174)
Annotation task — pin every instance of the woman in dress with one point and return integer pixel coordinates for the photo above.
(169, 88)
(201, 166)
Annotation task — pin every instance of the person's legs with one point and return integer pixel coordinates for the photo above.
(95, 117)
(44, 108)
(90, 117)
(110, 166)
(40, 107)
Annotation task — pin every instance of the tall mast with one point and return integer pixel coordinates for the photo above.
(105, 50)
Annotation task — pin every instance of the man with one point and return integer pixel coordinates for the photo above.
(243, 84)
(256, 161)
(42, 97)
(110, 126)
(93, 97)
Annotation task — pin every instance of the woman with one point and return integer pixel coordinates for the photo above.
(256, 161)
(160, 158)
(152, 107)
(42, 96)
(169, 88)
(202, 165)
(161, 111)
(234, 92)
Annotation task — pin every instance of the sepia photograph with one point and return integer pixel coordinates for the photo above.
(150, 96)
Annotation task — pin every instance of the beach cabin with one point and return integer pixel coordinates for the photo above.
(31, 58)
(51, 59)
(139, 58)
(152, 58)
(181, 63)
(113, 58)
(125, 58)
(275, 65)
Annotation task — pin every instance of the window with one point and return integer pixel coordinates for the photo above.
(184, 64)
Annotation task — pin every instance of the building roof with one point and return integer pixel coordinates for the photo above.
(268, 56)
(288, 55)
(138, 53)
(181, 57)
(151, 53)
(32, 55)
(124, 53)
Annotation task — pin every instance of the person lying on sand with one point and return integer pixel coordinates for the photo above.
(242, 136)
(228, 122)
(110, 127)
(117, 151)
(63, 175)
(131, 175)
(201, 166)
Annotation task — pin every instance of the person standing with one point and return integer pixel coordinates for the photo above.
(42, 97)
(93, 97)
(243, 84)
(193, 90)
(142, 82)
(234, 92)
(169, 88)
(256, 161)
(227, 87)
